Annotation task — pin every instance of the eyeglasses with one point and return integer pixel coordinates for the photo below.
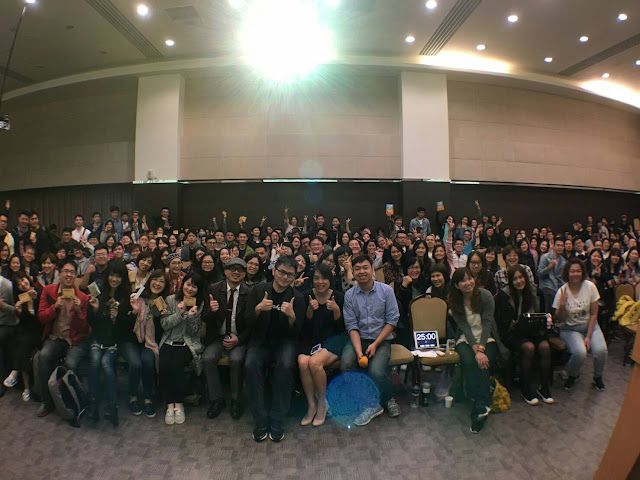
(71, 272)
(286, 274)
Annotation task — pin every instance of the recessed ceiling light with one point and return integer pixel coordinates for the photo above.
(512, 18)
(410, 39)
(605, 75)
(638, 63)
(548, 59)
(31, 2)
(142, 9)
(431, 4)
(622, 17)
(584, 39)
(480, 47)
(169, 42)
(237, 4)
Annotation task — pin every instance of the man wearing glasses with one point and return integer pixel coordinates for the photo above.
(63, 312)
(275, 314)
(227, 334)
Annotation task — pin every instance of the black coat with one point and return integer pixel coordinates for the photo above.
(215, 320)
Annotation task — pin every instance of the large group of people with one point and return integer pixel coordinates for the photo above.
(287, 303)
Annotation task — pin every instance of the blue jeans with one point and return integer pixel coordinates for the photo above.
(49, 357)
(378, 368)
(103, 360)
(574, 337)
(142, 366)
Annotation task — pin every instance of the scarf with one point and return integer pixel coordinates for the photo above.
(145, 329)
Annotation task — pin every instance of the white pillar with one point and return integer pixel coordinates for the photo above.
(425, 126)
(159, 127)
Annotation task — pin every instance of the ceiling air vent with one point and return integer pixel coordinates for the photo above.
(449, 26)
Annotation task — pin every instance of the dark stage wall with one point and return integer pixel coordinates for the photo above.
(195, 203)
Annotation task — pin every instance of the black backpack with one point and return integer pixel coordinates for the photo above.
(68, 395)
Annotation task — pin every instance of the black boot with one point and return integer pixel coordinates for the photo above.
(93, 412)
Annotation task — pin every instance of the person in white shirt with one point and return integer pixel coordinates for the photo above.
(80, 233)
(576, 308)
(459, 258)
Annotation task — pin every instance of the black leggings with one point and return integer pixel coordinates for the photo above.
(532, 353)
(173, 360)
(477, 380)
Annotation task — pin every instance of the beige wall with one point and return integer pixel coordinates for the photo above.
(76, 135)
(342, 127)
(513, 135)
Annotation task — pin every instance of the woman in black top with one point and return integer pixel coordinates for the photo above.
(515, 299)
(321, 342)
(255, 274)
(491, 260)
(27, 335)
(110, 309)
(414, 284)
(478, 268)
(598, 274)
(303, 272)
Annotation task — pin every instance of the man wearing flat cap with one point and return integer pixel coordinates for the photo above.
(226, 334)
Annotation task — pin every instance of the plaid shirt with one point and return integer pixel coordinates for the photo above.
(502, 279)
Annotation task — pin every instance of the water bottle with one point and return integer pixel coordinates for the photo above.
(415, 396)
(426, 390)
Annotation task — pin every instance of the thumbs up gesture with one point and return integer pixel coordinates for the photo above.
(213, 304)
(265, 304)
(287, 309)
(313, 303)
(332, 305)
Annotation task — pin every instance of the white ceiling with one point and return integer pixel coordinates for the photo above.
(62, 37)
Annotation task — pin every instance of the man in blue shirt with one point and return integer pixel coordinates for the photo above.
(370, 317)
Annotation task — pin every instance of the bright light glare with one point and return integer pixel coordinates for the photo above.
(464, 61)
(481, 47)
(332, 3)
(622, 17)
(584, 39)
(637, 63)
(284, 40)
(237, 4)
(431, 4)
(410, 39)
(142, 10)
(548, 59)
(169, 42)
(614, 91)
(30, 2)
(512, 18)
(605, 75)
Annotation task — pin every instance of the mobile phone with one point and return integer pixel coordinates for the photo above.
(315, 349)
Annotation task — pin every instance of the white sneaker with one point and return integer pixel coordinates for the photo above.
(26, 395)
(180, 416)
(11, 380)
(170, 416)
(367, 415)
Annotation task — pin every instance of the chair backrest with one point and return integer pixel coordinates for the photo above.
(379, 275)
(429, 314)
(624, 289)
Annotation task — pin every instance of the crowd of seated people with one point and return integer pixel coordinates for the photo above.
(294, 300)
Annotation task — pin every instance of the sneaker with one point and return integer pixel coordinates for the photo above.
(44, 410)
(180, 416)
(393, 409)
(478, 420)
(149, 410)
(530, 398)
(570, 382)
(545, 395)
(598, 384)
(276, 434)
(11, 380)
(135, 408)
(477, 425)
(367, 415)
(260, 434)
(170, 416)
(26, 395)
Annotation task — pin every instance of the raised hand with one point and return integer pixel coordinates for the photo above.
(224, 214)
(181, 307)
(313, 303)
(213, 304)
(287, 308)
(332, 305)
(265, 304)
(305, 218)
(406, 281)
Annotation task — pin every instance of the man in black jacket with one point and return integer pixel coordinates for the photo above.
(275, 314)
(227, 334)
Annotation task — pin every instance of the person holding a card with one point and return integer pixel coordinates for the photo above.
(110, 310)
(180, 344)
(274, 315)
(226, 334)
(138, 341)
(27, 334)
(63, 311)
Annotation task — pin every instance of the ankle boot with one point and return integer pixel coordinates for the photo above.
(113, 414)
